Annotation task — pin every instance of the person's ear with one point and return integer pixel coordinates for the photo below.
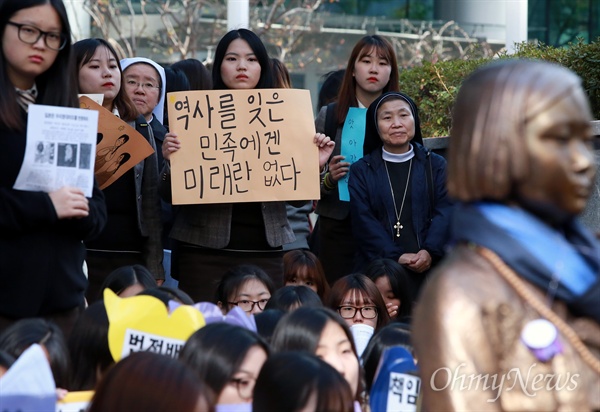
(222, 307)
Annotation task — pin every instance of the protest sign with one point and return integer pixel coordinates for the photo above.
(119, 148)
(243, 146)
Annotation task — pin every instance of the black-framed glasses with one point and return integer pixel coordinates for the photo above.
(367, 312)
(29, 34)
(248, 305)
(146, 86)
(244, 386)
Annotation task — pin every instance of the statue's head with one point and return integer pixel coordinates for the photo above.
(521, 134)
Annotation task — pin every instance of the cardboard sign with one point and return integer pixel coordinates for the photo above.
(243, 146)
(119, 148)
(143, 323)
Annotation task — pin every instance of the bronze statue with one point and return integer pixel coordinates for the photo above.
(511, 318)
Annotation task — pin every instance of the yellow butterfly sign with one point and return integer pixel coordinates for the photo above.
(143, 323)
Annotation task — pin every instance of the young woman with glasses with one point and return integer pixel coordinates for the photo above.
(356, 298)
(246, 286)
(228, 359)
(41, 233)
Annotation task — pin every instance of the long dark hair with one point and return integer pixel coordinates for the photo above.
(301, 330)
(150, 382)
(394, 334)
(399, 279)
(88, 347)
(257, 46)
(216, 352)
(22, 334)
(279, 390)
(84, 51)
(347, 94)
(123, 277)
(197, 74)
(57, 86)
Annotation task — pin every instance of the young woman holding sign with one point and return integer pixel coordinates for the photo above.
(41, 249)
(215, 237)
(133, 231)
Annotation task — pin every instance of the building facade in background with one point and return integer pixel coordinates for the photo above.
(314, 40)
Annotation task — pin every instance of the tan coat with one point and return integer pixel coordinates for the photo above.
(466, 333)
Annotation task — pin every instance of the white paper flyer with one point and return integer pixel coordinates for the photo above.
(60, 151)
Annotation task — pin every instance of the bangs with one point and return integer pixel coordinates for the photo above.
(375, 50)
(357, 297)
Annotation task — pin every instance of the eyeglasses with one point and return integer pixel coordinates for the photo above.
(248, 305)
(30, 35)
(367, 312)
(244, 386)
(147, 86)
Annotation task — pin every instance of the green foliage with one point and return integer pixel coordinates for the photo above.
(434, 86)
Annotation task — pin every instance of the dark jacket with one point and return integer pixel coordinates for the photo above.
(41, 257)
(209, 225)
(372, 208)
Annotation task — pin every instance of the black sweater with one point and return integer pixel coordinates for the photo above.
(41, 257)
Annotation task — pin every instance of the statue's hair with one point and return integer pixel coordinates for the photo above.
(487, 152)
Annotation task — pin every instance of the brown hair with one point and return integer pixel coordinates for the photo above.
(347, 94)
(281, 75)
(486, 153)
(366, 288)
(147, 381)
(304, 263)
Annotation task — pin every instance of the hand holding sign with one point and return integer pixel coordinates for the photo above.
(243, 146)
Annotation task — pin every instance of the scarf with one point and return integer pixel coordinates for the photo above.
(538, 253)
(26, 97)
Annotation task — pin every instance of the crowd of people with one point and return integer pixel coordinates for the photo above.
(477, 267)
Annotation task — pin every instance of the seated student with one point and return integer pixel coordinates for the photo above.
(88, 348)
(314, 385)
(393, 334)
(266, 322)
(289, 298)
(167, 294)
(149, 382)
(128, 281)
(245, 286)
(395, 287)
(22, 334)
(227, 358)
(302, 267)
(357, 300)
(321, 332)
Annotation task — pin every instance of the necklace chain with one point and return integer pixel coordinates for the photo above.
(398, 225)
